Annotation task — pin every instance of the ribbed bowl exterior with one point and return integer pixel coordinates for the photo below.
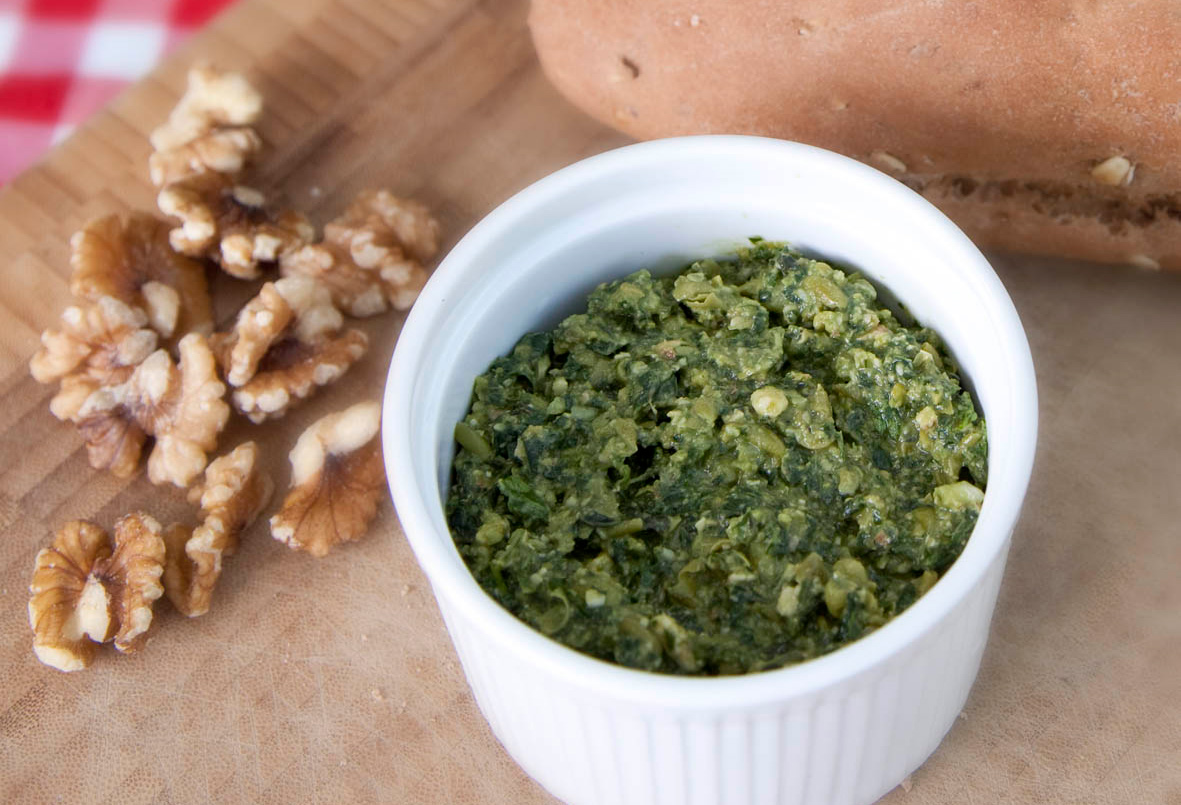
(848, 746)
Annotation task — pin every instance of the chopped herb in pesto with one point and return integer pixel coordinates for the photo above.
(741, 467)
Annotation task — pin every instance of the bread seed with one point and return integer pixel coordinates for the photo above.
(889, 162)
(1116, 171)
(1144, 261)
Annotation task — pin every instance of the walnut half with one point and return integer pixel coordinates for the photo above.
(180, 405)
(337, 477)
(372, 256)
(106, 339)
(233, 494)
(286, 343)
(214, 99)
(224, 150)
(88, 589)
(132, 261)
(230, 223)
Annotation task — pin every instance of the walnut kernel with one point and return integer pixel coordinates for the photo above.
(181, 406)
(114, 439)
(336, 477)
(88, 589)
(259, 325)
(286, 343)
(230, 223)
(103, 341)
(213, 99)
(371, 256)
(293, 371)
(404, 222)
(68, 606)
(133, 262)
(225, 150)
(233, 494)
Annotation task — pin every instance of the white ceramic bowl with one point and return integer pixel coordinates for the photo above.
(844, 728)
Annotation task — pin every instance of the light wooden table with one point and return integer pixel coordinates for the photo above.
(333, 680)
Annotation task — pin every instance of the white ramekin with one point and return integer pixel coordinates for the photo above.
(844, 728)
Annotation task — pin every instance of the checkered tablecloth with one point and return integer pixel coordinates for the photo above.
(60, 60)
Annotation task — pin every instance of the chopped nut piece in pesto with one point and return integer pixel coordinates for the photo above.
(741, 467)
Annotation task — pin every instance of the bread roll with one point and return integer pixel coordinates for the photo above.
(1051, 127)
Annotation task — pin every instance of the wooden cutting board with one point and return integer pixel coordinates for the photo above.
(333, 680)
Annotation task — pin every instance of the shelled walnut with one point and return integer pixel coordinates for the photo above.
(231, 224)
(233, 494)
(372, 256)
(88, 589)
(225, 151)
(293, 371)
(213, 99)
(180, 405)
(286, 343)
(132, 261)
(336, 477)
(209, 129)
(99, 344)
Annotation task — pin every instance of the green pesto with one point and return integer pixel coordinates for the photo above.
(741, 467)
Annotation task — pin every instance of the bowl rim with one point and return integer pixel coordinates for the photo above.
(454, 585)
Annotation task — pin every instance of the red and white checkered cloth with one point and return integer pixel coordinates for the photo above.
(60, 60)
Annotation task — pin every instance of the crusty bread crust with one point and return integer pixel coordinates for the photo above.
(999, 112)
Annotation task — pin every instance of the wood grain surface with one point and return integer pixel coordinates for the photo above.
(333, 680)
